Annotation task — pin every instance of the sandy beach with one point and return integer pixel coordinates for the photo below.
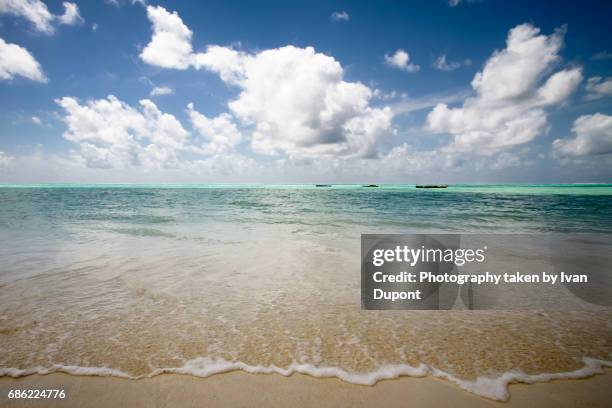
(239, 389)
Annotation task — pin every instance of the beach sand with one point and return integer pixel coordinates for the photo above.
(239, 389)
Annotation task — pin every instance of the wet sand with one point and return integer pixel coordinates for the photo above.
(239, 389)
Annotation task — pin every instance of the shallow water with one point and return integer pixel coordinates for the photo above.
(138, 279)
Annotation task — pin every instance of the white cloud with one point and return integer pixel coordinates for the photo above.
(598, 87)
(512, 92)
(340, 16)
(226, 62)
(387, 96)
(408, 104)
(593, 136)
(455, 3)
(294, 99)
(401, 60)
(111, 133)
(170, 46)
(39, 166)
(315, 113)
(444, 165)
(36, 120)
(39, 15)
(94, 27)
(71, 14)
(161, 90)
(119, 3)
(17, 61)
(443, 65)
(602, 56)
(5, 160)
(105, 121)
(33, 10)
(220, 133)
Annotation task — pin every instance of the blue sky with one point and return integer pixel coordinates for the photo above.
(185, 91)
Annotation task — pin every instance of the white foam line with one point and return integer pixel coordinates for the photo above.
(68, 369)
(205, 367)
(495, 388)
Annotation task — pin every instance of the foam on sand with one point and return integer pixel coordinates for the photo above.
(493, 387)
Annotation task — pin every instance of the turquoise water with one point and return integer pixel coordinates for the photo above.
(343, 208)
(574, 189)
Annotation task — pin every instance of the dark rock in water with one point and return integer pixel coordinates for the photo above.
(432, 185)
(370, 185)
(322, 185)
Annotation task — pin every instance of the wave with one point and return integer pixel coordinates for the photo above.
(493, 387)
(143, 232)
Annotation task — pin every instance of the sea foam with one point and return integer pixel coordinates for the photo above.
(492, 387)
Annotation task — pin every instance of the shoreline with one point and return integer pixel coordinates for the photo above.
(491, 388)
(239, 388)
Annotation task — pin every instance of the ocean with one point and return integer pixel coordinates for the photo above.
(136, 280)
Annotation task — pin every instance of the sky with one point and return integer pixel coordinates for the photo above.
(459, 91)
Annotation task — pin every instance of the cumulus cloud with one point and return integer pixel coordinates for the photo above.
(598, 87)
(293, 99)
(511, 94)
(71, 15)
(299, 104)
(593, 136)
(34, 11)
(36, 120)
(170, 46)
(220, 133)
(227, 62)
(37, 13)
(17, 61)
(340, 16)
(161, 90)
(401, 60)
(442, 64)
(110, 133)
